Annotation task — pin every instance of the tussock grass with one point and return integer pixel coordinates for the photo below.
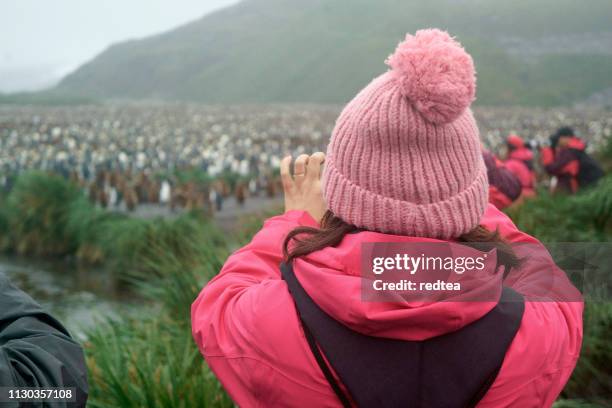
(148, 360)
(152, 360)
(563, 403)
(35, 215)
(585, 217)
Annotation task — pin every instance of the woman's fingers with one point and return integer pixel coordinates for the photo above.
(303, 190)
(299, 168)
(305, 166)
(285, 172)
(315, 161)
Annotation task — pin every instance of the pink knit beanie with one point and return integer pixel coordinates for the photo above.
(404, 157)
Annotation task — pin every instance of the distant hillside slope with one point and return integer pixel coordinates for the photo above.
(546, 52)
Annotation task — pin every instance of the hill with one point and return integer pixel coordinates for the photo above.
(546, 52)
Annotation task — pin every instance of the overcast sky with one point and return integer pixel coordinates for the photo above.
(42, 40)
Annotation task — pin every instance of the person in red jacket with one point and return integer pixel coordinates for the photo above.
(520, 163)
(567, 160)
(286, 324)
(504, 186)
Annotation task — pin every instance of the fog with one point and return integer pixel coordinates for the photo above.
(41, 41)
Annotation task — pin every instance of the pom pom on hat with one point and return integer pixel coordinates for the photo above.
(435, 73)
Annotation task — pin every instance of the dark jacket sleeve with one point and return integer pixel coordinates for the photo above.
(557, 165)
(501, 178)
(35, 349)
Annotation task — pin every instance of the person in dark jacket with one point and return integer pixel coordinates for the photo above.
(567, 160)
(36, 350)
(504, 186)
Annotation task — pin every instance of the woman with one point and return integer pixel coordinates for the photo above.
(520, 162)
(504, 185)
(567, 160)
(404, 164)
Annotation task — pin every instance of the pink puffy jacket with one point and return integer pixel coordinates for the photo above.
(516, 164)
(245, 323)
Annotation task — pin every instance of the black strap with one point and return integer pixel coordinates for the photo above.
(484, 389)
(324, 367)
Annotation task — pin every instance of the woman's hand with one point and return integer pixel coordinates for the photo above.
(303, 189)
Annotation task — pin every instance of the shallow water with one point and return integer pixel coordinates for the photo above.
(79, 297)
